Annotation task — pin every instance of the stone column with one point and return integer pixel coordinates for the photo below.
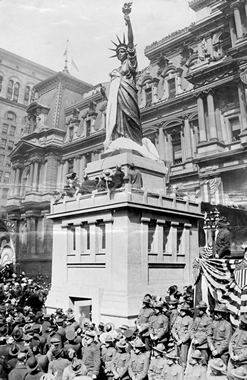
(218, 123)
(187, 139)
(201, 119)
(232, 30)
(238, 22)
(17, 180)
(161, 143)
(211, 116)
(210, 45)
(241, 97)
(160, 227)
(12, 190)
(179, 81)
(173, 240)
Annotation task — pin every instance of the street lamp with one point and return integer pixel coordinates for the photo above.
(210, 223)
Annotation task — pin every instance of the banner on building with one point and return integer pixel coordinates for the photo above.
(7, 249)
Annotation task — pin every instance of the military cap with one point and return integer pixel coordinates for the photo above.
(172, 355)
(196, 354)
(218, 365)
(239, 373)
(160, 348)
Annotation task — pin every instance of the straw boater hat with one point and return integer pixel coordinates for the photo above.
(218, 365)
(239, 373)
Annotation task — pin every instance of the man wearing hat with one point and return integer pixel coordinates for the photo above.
(217, 370)
(71, 342)
(157, 363)
(181, 333)
(172, 370)
(120, 361)
(91, 354)
(20, 369)
(34, 372)
(199, 330)
(107, 354)
(223, 240)
(139, 361)
(159, 325)
(58, 364)
(173, 312)
(219, 334)
(239, 373)
(144, 319)
(195, 371)
(238, 347)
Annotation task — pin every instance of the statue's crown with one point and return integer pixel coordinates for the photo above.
(118, 46)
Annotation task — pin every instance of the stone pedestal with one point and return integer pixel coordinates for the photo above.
(109, 249)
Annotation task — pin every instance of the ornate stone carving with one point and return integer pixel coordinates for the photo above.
(186, 51)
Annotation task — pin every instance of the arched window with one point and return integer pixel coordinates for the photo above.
(16, 92)
(27, 95)
(11, 116)
(10, 89)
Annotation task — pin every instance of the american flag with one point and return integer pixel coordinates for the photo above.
(214, 185)
(227, 282)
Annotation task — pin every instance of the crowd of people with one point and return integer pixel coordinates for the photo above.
(108, 180)
(171, 339)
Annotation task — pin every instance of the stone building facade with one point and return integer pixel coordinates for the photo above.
(17, 78)
(192, 98)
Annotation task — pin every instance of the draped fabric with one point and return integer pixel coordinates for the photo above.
(227, 282)
(123, 115)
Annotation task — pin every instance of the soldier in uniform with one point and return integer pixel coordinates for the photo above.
(120, 362)
(173, 308)
(195, 370)
(238, 347)
(199, 330)
(138, 365)
(158, 362)
(91, 355)
(159, 325)
(180, 333)
(144, 319)
(219, 334)
(239, 374)
(107, 354)
(172, 371)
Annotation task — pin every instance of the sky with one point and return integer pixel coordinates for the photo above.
(38, 30)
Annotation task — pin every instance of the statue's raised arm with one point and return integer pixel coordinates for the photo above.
(123, 115)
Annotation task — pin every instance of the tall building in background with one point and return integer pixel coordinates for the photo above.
(17, 78)
(192, 98)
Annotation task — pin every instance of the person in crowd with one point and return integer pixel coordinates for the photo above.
(181, 333)
(91, 354)
(144, 319)
(196, 371)
(34, 372)
(139, 362)
(120, 361)
(199, 330)
(172, 371)
(157, 362)
(20, 370)
(158, 325)
(223, 240)
(117, 178)
(219, 334)
(238, 347)
(107, 354)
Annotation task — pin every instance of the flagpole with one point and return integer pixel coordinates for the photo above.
(66, 58)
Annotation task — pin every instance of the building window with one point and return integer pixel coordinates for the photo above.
(101, 236)
(166, 231)
(16, 92)
(5, 128)
(171, 88)
(2, 159)
(151, 235)
(88, 127)
(3, 143)
(148, 93)
(10, 89)
(11, 116)
(235, 128)
(85, 238)
(1, 82)
(27, 95)
(179, 238)
(6, 177)
(10, 145)
(177, 149)
(5, 193)
(12, 130)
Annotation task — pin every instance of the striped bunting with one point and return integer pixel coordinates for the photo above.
(227, 282)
